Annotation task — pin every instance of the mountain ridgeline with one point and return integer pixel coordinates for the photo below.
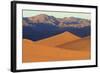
(44, 26)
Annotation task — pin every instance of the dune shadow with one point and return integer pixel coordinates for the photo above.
(79, 45)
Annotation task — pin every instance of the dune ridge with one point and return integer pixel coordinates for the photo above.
(59, 39)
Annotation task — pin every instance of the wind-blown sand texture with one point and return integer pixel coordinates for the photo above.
(65, 46)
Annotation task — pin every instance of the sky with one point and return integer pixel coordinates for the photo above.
(57, 14)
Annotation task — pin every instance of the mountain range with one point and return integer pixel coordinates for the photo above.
(43, 26)
(60, 22)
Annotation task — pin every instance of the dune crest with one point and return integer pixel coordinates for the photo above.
(59, 39)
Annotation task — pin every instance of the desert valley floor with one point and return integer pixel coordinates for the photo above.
(61, 47)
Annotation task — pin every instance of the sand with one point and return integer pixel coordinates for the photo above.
(78, 49)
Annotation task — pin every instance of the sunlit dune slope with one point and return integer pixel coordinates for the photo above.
(33, 52)
(81, 44)
(59, 39)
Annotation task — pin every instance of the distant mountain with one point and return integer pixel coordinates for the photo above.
(42, 18)
(74, 22)
(44, 26)
(61, 22)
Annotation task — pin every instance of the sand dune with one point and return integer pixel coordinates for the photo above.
(81, 44)
(33, 52)
(59, 39)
